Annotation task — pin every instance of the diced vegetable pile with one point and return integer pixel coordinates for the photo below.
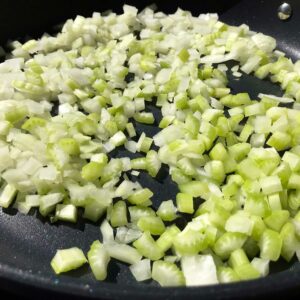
(236, 160)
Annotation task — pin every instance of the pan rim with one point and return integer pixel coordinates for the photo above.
(284, 280)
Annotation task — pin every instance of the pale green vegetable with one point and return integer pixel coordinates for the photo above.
(234, 162)
(199, 270)
(7, 195)
(141, 270)
(68, 259)
(98, 258)
(167, 274)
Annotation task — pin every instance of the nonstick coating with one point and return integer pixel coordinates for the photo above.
(27, 243)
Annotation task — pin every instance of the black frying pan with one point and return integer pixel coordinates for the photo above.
(27, 243)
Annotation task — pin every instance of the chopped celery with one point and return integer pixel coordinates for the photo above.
(140, 197)
(147, 247)
(261, 265)
(165, 241)
(69, 145)
(152, 224)
(247, 271)
(118, 216)
(68, 259)
(226, 275)
(277, 219)
(167, 274)
(98, 258)
(137, 212)
(195, 188)
(48, 203)
(229, 242)
(91, 171)
(144, 117)
(71, 102)
(66, 212)
(123, 253)
(7, 194)
(189, 242)
(289, 241)
(141, 270)
(199, 270)
(167, 211)
(270, 245)
(237, 258)
(153, 163)
(185, 203)
(239, 222)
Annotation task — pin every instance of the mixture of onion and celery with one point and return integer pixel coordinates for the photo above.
(236, 156)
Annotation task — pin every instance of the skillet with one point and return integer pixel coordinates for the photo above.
(27, 243)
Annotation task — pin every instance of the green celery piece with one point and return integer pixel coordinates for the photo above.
(246, 272)
(139, 163)
(289, 241)
(167, 211)
(251, 247)
(258, 227)
(32, 123)
(270, 245)
(91, 171)
(144, 117)
(239, 151)
(98, 258)
(93, 211)
(167, 274)
(238, 257)
(189, 242)
(218, 152)
(195, 188)
(227, 275)
(270, 185)
(147, 247)
(122, 252)
(140, 196)
(152, 224)
(293, 181)
(48, 203)
(184, 55)
(293, 200)
(7, 195)
(118, 216)
(236, 100)
(280, 141)
(70, 146)
(277, 219)
(229, 242)
(66, 212)
(185, 203)
(68, 259)
(165, 241)
(137, 212)
(153, 163)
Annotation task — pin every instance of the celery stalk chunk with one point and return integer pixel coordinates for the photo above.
(7, 194)
(270, 245)
(124, 253)
(147, 247)
(167, 274)
(141, 270)
(199, 270)
(157, 86)
(68, 259)
(98, 258)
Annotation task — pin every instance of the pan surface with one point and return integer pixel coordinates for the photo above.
(27, 243)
